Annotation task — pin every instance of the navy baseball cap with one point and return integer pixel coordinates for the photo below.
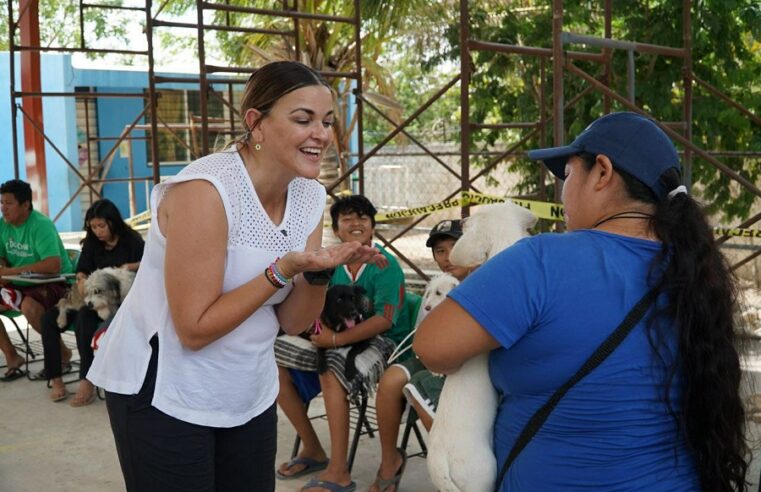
(633, 143)
(445, 228)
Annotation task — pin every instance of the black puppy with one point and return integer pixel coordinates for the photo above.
(345, 306)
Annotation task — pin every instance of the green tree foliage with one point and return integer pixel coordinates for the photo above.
(726, 53)
(59, 24)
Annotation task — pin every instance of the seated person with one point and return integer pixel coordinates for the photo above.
(353, 219)
(29, 242)
(390, 400)
(109, 242)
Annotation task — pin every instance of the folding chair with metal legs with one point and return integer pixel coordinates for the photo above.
(359, 419)
(23, 343)
(410, 426)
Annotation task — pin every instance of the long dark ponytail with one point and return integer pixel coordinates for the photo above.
(702, 295)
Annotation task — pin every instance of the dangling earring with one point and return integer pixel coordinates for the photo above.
(257, 146)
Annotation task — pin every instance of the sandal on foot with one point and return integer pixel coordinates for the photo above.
(310, 465)
(12, 374)
(59, 396)
(384, 484)
(331, 486)
(79, 402)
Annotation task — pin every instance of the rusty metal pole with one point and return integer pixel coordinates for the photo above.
(203, 82)
(12, 71)
(296, 37)
(607, 53)
(34, 141)
(558, 62)
(542, 132)
(360, 88)
(687, 78)
(465, 67)
(153, 100)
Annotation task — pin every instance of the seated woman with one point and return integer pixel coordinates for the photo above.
(109, 242)
(353, 219)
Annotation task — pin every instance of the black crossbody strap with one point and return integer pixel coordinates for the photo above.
(603, 351)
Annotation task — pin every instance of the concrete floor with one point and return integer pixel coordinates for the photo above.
(54, 447)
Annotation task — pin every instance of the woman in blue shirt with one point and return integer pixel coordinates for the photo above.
(662, 411)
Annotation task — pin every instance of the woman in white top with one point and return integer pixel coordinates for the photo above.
(188, 362)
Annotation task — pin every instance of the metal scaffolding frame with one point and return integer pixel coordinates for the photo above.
(551, 110)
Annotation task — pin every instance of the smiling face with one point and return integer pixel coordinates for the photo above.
(354, 227)
(297, 131)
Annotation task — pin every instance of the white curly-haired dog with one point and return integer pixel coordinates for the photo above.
(460, 450)
(105, 290)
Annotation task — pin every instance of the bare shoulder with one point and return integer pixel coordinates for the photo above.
(196, 200)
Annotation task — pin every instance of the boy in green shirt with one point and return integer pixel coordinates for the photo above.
(29, 242)
(353, 219)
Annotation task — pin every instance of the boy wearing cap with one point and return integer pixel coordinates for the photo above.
(410, 378)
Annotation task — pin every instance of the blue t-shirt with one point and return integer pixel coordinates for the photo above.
(550, 300)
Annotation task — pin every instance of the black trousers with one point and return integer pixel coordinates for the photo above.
(163, 454)
(86, 322)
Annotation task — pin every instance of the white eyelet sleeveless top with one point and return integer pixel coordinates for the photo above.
(233, 379)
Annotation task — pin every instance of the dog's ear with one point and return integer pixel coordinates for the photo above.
(113, 285)
(359, 290)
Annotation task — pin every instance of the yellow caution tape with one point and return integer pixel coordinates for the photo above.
(138, 218)
(543, 210)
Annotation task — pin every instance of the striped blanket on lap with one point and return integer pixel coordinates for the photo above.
(294, 352)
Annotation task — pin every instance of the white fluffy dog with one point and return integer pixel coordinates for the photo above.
(460, 449)
(437, 290)
(105, 290)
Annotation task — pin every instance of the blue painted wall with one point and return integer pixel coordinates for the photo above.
(59, 115)
(113, 115)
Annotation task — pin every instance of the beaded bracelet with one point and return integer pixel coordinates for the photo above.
(272, 279)
(278, 273)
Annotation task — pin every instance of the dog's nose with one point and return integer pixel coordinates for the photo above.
(90, 305)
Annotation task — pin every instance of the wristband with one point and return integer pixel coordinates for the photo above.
(321, 277)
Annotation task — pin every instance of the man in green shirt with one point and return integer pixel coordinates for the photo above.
(29, 242)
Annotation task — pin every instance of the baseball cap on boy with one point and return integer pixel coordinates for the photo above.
(445, 228)
(633, 143)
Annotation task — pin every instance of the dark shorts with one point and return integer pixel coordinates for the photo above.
(46, 294)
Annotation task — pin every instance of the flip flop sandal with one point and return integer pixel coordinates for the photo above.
(60, 396)
(331, 486)
(384, 484)
(310, 465)
(13, 374)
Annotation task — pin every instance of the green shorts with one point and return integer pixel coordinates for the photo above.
(424, 389)
(410, 366)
